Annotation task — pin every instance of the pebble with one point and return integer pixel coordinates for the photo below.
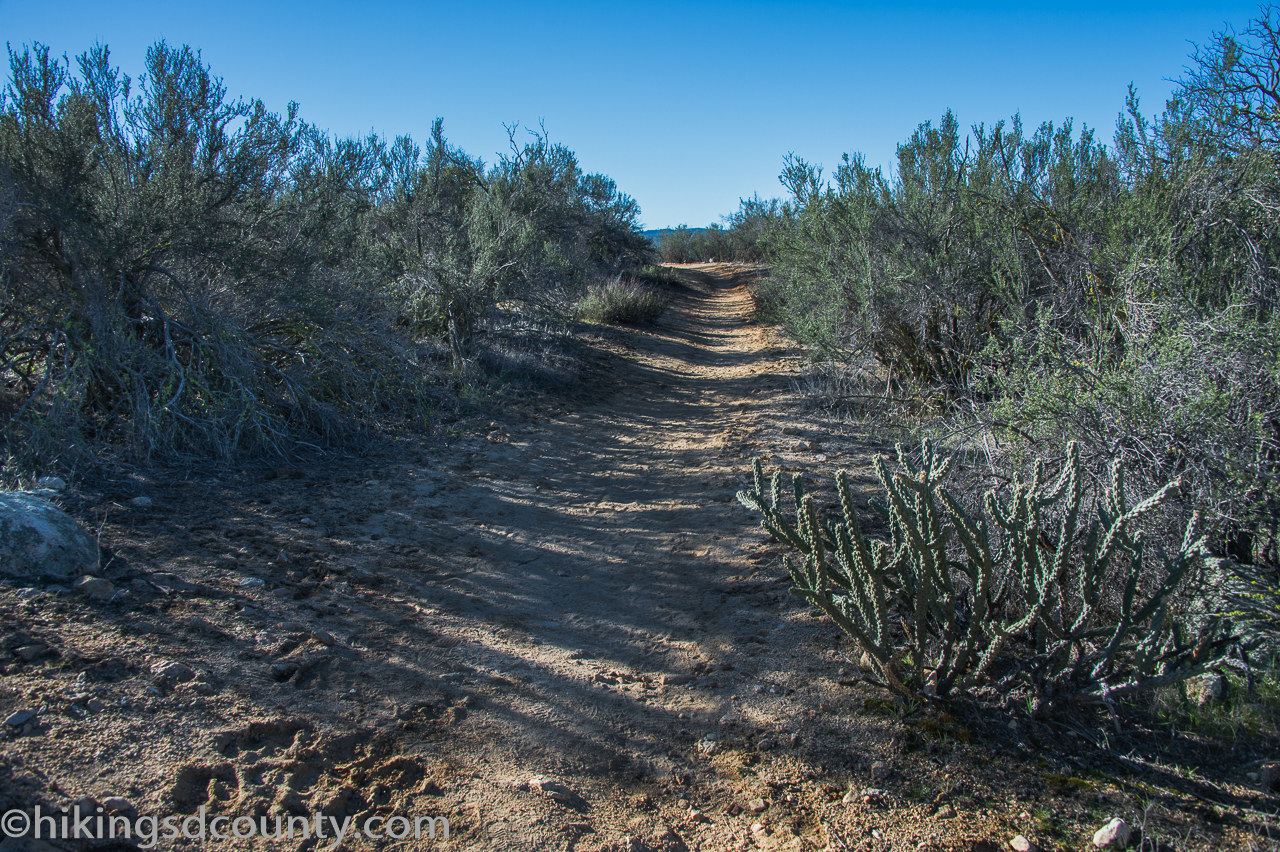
(757, 805)
(676, 679)
(881, 770)
(1114, 834)
(324, 637)
(554, 789)
(22, 717)
(140, 502)
(252, 581)
(97, 588)
(873, 795)
(117, 804)
(945, 812)
(170, 670)
(1022, 844)
(30, 653)
(52, 483)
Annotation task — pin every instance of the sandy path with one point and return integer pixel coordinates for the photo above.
(577, 596)
(592, 560)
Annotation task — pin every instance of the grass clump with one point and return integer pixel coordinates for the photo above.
(621, 301)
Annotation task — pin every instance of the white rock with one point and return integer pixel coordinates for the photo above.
(38, 538)
(52, 483)
(1022, 844)
(1114, 834)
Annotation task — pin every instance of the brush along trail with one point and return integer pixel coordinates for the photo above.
(555, 628)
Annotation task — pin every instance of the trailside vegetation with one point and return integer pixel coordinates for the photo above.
(1013, 291)
(183, 274)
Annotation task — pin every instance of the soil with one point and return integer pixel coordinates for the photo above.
(554, 626)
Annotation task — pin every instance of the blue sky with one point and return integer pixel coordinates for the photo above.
(688, 106)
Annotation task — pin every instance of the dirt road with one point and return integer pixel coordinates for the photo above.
(558, 632)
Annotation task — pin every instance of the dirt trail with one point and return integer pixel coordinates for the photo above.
(578, 597)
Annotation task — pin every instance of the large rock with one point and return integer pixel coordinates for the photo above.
(37, 538)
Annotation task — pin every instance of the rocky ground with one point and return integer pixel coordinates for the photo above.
(553, 626)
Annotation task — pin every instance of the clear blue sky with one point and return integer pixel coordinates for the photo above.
(689, 106)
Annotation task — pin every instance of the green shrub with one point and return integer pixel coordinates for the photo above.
(1034, 595)
(619, 300)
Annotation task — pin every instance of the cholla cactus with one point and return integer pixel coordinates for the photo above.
(950, 599)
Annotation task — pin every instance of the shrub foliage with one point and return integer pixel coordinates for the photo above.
(186, 274)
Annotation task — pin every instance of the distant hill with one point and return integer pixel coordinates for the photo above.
(655, 236)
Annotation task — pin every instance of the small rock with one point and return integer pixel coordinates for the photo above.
(676, 679)
(1022, 844)
(172, 672)
(873, 795)
(307, 522)
(86, 804)
(790, 430)
(551, 787)
(881, 770)
(171, 581)
(140, 502)
(95, 706)
(323, 637)
(696, 815)
(252, 581)
(1114, 834)
(945, 812)
(96, 588)
(117, 804)
(22, 717)
(1208, 688)
(30, 653)
(197, 622)
(757, 806)
(707, 747)
(52, 483)
(851, 796)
